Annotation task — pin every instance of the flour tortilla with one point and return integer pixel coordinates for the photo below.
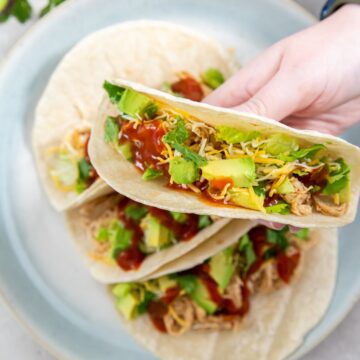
(79, 221)
(277, 322)
(109, 163)
(148, 52)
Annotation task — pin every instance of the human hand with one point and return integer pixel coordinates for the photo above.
(310, 80)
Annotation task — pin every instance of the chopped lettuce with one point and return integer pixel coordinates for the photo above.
(338, 178)
(114, 92)
(307, 153)
(135, 212)
(234, 136)
(102, 234)
(151, 174)
(212, 78)
(278, 237)
(120, 238)
(281, 144)
(204, 221)
(84, 169)
(281, 208)
(246, 247)
(111, 130)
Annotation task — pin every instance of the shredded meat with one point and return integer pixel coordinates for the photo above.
(326, 206)
(233, 291)
(265, 279)
(300, 200)
(216, 322)
(181, 318)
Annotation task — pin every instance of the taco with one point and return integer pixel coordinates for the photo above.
(253, 299)
(217, 161)
(160, 55)
(124, 240)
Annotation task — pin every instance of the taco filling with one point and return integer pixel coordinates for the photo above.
(217, 293)
(127, 232)
(272, 173)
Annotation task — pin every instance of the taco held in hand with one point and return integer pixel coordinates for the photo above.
(226, 160)
(125, 240)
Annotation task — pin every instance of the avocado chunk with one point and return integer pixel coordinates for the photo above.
(212, 78)
(156, 235)
(242, 197)
(179, 217)
(122, 289)
(222, 267)
(133, 103)
(126, 151)
(241, 171)
(183, 171)
(202, 297)
(127, 305)
(166, 283)
(285, 187)
(280, 144)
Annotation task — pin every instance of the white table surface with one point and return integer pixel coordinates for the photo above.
(15, 343)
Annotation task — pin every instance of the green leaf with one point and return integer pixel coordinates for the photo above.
(234, 136)
(177, 135)
(111, 130)
(151, 174)
(20, 9)
(179, 217)
(278, 237)
(281, 144)
(151, 110)
(136, 212)
(246, 247)
(84, 169)
(120, 238)
(338, 179)
(148, 297)
(281, 208)
(186, 282)
(270, 253)
(212, 78)
(80, 186)
(114, 92)
(51, 5)
(102, 234)
(308, 153)
(204, 221)
(302, 234)
(190, 155)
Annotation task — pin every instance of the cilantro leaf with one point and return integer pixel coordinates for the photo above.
(120, 238)
(302, 153)
(338, 179)
(246, 247)
(135, 212)
(280, 208)
(111, 130)
(187, 282)
(84, 169)
(198, 160)
(148, 297)
(151, 174)
(51, 5)
(278, 237)
(114, 92)
(204, 221)
(177, 135)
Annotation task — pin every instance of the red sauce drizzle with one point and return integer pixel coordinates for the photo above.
(286, 265)
(157, 310)
(189, 88)
(93, 175)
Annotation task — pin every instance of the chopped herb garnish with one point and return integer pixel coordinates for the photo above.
(136, 212)
(20, 9)
(84, 169)
(246, 247)
(51, 5)
(112, 129)
(187, 282)
(151, 174)
(114, 92)
(204, 221)
(278, 237)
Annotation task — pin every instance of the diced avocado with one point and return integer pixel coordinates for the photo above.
(166, 283)
(151, 174)
(122, 289)
(179, 217)
(241, 171)
(202, 298)
(234, 136)
(133, 103)
(285, 187)
(125, 150)
(280, 208)
(183, 171)
(4, 4)
(345, 193)
(156, 235)
(242, 197)
(281, 143)
(120, 238)
(222, 267)
(212, 78)
(127, 305)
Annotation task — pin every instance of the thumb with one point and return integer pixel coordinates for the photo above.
(277, 99)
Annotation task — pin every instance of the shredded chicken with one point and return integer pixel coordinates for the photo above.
(219, 323)
(326, 206)
(233, 291)
(300, 200)
(265, 279)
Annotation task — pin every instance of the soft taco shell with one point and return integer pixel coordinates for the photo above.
(109, 163)
(81, 219)
(148, 52)
(277, 322)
